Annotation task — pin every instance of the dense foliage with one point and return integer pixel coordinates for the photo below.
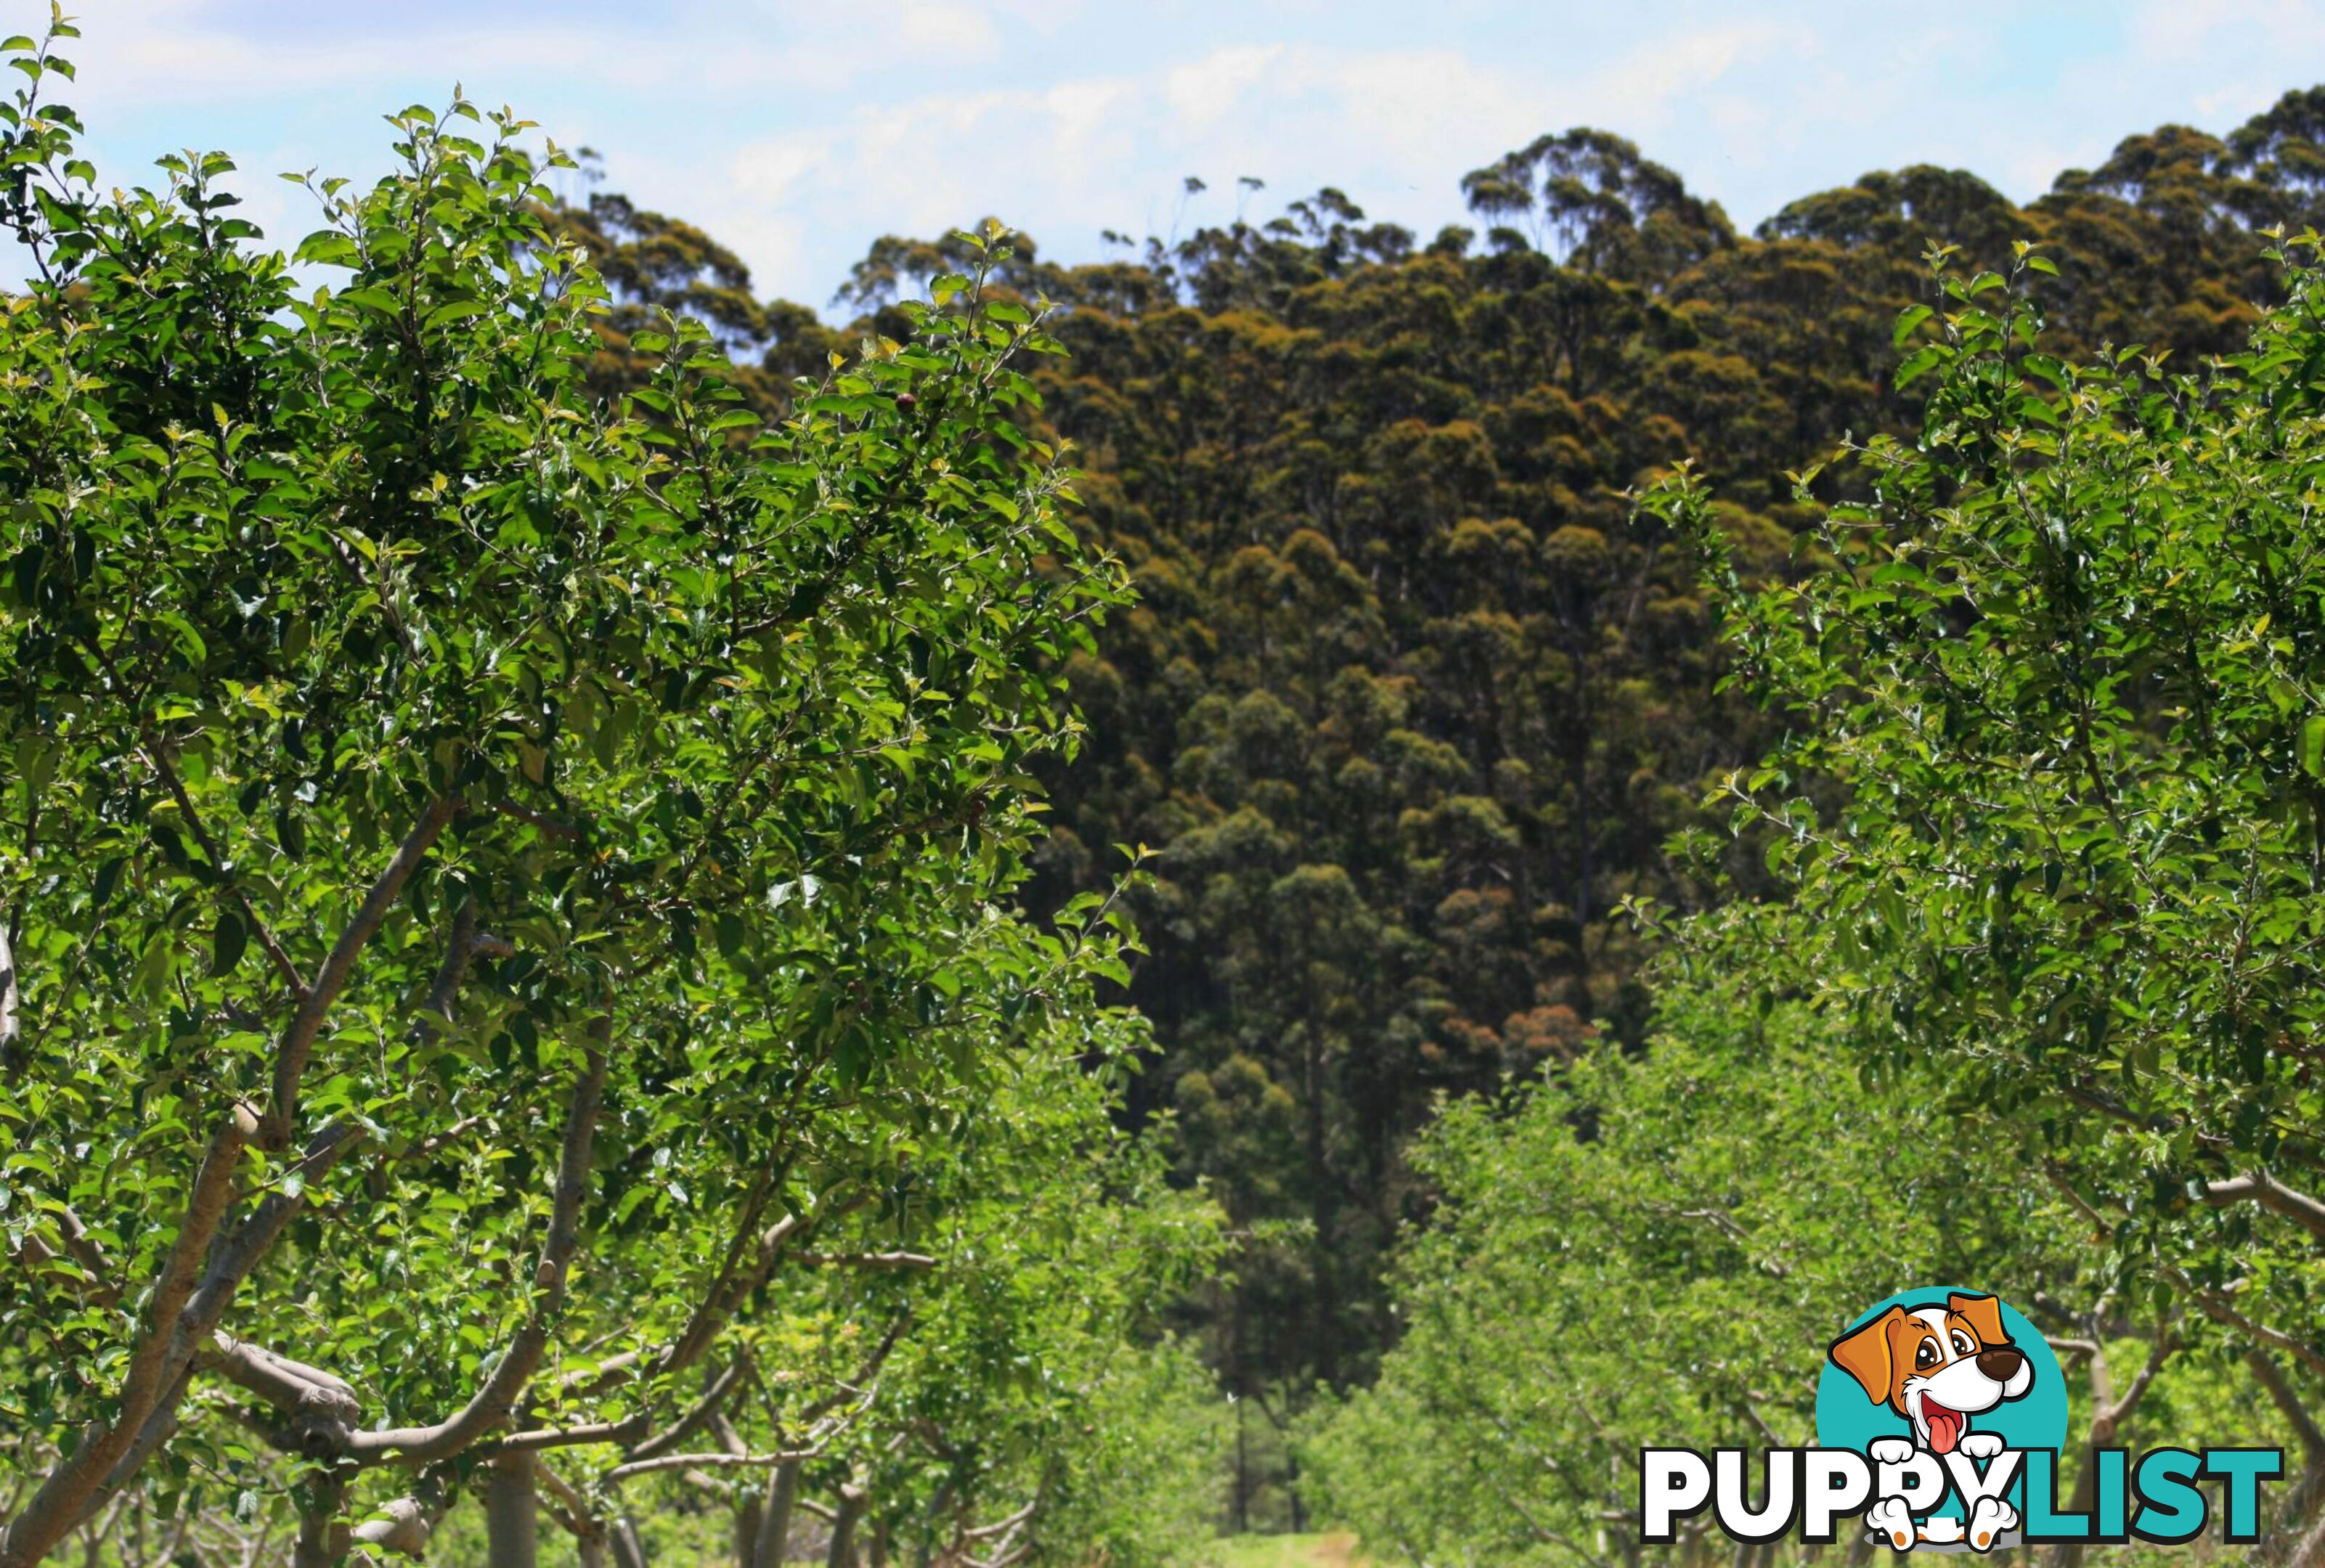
(1675, 1275)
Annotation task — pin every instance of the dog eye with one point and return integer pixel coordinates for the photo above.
(1926, 1354)
(1962, 1343)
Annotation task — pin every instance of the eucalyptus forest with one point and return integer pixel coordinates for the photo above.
(1067, 914)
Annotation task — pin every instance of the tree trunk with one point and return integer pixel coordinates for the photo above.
(1241, 1507)
(512, 1531)
(324, 1535)
(775, 1516)
(1319, 1202)
(747, 1514)
(629, 1552)
(2311, 1552)
(843, 1528)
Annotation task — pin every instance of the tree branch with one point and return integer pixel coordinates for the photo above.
(404, 1528)
(721, 1302)
(466, 944)
(2288, 1403)
(262, 933)
(704, 1408)
(622, 1473)
(292, 1386)
(2158, 1350)
(2215, 1306)
(2266, 1190)
(95, 1269)
(11, 1001)
(64, 1498)
(298, 1042)
(623, 1431)
(231, 1260)
(407, 1522)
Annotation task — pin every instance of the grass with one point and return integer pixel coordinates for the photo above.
(1335, 1550)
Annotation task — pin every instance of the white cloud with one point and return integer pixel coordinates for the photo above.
(1204, 93)
(1646, 87)
(771, 168)
(943, 25)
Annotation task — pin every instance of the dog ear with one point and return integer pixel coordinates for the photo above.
(1984, 1313)
(1864, 1354)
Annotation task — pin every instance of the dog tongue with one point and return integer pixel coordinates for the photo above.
(1945, 1426)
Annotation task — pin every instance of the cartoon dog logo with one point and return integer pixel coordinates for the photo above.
(1937, 1367)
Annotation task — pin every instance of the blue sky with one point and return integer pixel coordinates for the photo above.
(798, 131)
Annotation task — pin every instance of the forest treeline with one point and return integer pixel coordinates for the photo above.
(1412, 698)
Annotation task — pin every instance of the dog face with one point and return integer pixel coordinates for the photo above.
(1937, 1367)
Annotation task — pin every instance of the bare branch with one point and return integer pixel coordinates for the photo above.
(609, 1373)
(2158, 1350)
(465, 945)
(298, 1042)
(2214, 1305)
(324, 1538)
(2280, 1392)
(231, 1260)
(292, 1386)
(2266, 1190)
(2217, 1308)
(434, 1141)
(704, 1408)
(407, 1524)
(446, 987)
(10, 1001)
(1002, 1527)
(625, 1431)
(93, 1269)
(722, 1458)
(88, 1255)
(546, 826)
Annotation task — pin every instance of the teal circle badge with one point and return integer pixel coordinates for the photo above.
(1932, 1365)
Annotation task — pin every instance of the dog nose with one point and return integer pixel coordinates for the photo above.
(2001, 1363)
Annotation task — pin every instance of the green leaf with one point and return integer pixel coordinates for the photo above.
(227, 941)
(1920, 362)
